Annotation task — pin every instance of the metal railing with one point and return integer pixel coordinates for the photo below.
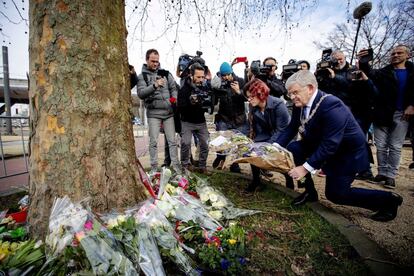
(10, 140)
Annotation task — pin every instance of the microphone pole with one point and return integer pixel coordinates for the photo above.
(359, 14)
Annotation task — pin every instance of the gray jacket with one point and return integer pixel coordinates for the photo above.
(157, 100)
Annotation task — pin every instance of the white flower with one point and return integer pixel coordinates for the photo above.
(216, 214)
(112, 222)
(219, 204)
(121, 218)
(204, 197)
(213, 197)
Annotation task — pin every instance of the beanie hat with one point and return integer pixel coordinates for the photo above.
(225, 69)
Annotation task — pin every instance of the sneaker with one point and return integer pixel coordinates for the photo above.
(389, 183)
(411, 166)
(366, 176)
(379, 178)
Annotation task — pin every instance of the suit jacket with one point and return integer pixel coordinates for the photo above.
(332, 139)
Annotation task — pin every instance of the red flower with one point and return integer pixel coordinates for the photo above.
(173, 100)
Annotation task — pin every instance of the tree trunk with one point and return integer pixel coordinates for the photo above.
(82, 143)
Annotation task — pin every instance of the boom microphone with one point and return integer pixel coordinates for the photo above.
(362, 10)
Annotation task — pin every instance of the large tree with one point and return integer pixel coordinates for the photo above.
(81, 143)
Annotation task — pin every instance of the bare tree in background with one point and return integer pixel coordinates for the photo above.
(388, 24)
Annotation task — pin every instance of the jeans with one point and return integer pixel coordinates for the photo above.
(154, 125)
(201, 131)
(389, 141)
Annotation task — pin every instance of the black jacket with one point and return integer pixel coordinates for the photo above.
(339, 85)
(231, 105)
(277, 88)
(386, 81)
(190, 113)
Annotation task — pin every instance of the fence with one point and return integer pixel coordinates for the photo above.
(14, 133)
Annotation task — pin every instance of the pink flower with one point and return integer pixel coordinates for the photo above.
(88, 225)
(183, 183)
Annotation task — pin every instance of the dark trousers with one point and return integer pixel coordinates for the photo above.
(338, 187)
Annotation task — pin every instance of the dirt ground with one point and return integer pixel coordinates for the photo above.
(396, 236)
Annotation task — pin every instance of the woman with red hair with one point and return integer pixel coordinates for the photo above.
(268, 116)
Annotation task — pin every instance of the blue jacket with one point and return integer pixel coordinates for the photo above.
(267, 127)
(333, 139)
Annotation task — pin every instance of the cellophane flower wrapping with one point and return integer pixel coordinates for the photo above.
(226, 141)
(165, 236)
(218, 206)
(73, 225)
(265, 156)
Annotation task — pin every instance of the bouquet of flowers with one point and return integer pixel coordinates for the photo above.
(77, 241)
(218, 206)
(227, 140)
(163, 233)
(265, 156)
(225, 251)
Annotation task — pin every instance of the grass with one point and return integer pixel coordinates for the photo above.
(287, 240)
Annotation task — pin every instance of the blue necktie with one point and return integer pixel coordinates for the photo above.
(303, 116)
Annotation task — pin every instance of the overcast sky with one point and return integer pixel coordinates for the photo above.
(272, 41)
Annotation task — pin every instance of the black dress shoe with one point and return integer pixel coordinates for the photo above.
(390, 212)
(305, 197)
(379, 178)
(235, 168)
(252, 187)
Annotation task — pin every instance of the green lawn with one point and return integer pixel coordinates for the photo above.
(285, 240)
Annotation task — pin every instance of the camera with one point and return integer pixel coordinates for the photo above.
(185, 61)
(225, 84)
(354, 75)
(367, 58)
(201, 96)
(290, 68)
(327, 61)
(260, 71)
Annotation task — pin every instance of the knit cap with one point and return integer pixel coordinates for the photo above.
(225, 69)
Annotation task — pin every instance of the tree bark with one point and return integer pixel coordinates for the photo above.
(82, 142)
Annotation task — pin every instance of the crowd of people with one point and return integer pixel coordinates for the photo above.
(323, 118)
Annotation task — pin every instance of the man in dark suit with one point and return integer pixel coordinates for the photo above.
(330, 139)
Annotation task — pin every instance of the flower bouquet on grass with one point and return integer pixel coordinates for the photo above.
(218, 206)
(266, 156)
(164, 235)
(225, 141)
(79, 243)
(224, 252)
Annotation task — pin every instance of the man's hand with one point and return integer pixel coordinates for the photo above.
(297, 173)
(235, 87)
(331, 73)
(408, 112)
(160, 82)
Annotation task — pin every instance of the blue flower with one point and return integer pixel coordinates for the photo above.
(225, 264)
(242, 260)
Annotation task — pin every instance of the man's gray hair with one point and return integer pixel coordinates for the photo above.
(302, 78)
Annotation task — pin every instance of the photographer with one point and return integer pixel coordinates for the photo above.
(333, 78)
(277, 89)
(159, 91)
(231, 113)
(190, 106)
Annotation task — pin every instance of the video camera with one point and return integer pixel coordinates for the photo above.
(260, 71)
(201, 95)
(327, 61)
(185, 61)
(289, 69)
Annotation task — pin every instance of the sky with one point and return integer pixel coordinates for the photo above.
(298, 44)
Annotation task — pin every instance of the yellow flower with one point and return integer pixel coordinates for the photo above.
(232, 241)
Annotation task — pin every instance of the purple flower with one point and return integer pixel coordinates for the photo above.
(225, 264)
